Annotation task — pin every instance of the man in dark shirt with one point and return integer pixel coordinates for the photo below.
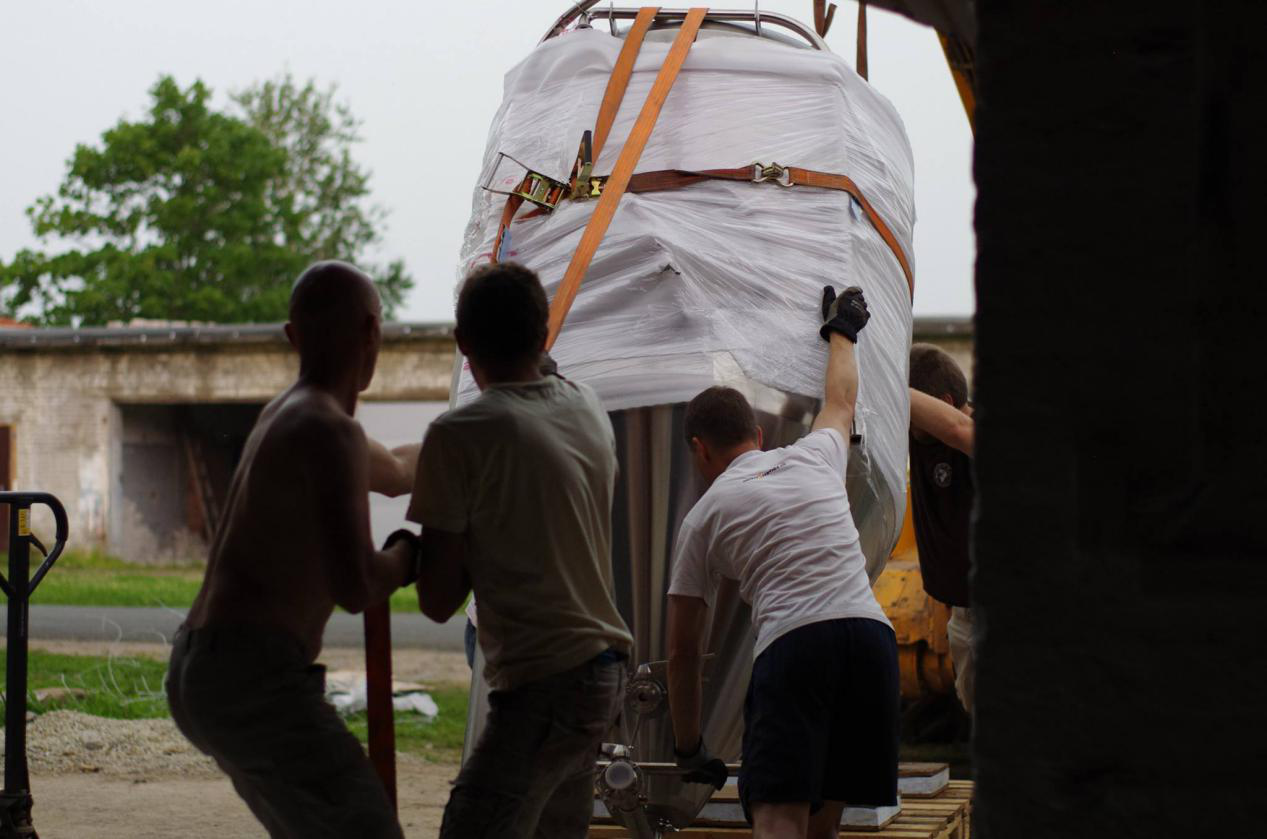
(941, 495)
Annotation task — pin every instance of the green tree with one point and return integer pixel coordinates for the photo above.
(322, 193)
(196, 214)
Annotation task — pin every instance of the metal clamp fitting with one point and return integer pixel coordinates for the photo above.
(774, 172)
(585, 184)
(620, 781)
(645, 692)
(541, 190)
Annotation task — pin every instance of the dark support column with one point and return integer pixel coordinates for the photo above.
(17, 782)
(1120, 540)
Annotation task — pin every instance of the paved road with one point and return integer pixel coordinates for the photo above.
(110, 623)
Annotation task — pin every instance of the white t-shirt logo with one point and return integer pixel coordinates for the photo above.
(767, 472)
(942, 474)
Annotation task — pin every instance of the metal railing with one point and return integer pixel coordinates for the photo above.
(755, 16)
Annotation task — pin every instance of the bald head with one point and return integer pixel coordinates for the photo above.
(334, 319)
(331, 289)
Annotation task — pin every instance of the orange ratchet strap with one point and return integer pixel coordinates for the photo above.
(591, 143)
(617, 83)
(609, 189)
(784, 176)
(615, 184)
(619, 80)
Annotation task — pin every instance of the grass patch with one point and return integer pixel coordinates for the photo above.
(440, 739)
(96, 579)
(119, 688)
(125, 688)
(81, 561)
(116, 589)
(405, 600)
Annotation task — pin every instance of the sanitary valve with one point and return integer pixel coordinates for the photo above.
(645, 692)
(620, 782)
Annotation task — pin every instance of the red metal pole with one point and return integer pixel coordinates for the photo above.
(378, 676)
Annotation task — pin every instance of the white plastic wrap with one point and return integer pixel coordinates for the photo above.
(719, 281)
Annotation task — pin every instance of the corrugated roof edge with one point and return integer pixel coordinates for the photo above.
(957, 326)
(177, 336)
(271, 333)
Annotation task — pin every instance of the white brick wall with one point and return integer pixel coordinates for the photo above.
(61, 404)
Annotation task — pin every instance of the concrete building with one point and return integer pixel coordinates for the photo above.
(137, 430)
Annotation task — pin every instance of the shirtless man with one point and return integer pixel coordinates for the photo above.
(294, 543)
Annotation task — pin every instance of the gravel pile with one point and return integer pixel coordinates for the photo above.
(68, 741)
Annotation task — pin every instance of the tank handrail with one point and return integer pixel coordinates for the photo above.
(758, 19)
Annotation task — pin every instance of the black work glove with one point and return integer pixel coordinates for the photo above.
(702, 767)
(415, 553)
(846, 314)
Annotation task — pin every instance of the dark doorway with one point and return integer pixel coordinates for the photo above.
(177, 463)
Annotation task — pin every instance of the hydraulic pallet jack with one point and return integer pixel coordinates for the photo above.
(15, 800)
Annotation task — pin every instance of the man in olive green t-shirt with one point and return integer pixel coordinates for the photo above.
(514, 493)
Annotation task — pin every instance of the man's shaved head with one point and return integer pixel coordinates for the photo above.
(332, 288)
(334, 319)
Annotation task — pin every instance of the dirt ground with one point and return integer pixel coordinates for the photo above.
(95, 807)
(148, 805)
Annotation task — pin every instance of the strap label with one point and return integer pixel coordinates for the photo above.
(24, 522)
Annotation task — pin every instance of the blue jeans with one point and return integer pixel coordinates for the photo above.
(469, 640)
(532, 773)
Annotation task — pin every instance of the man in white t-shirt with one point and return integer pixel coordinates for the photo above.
(514, 493)
(821, 715)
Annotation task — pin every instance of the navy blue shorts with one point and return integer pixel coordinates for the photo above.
(821, 717)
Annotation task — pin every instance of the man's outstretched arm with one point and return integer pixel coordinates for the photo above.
(843, 318)
(942, 420)
(359, 575)
(686, 662)
(687, 617)
(392, 471)
(840, 389)
(443, 583)
(440, 504)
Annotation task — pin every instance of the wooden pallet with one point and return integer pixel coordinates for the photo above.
(725, 810)
(922, 780)
(947, 816)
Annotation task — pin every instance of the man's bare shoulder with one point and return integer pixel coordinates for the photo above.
(306, 421)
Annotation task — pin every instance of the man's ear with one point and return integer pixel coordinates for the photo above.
(946, 397)
(292, 334)
(698, 448)
(760, 437)
(461, 342)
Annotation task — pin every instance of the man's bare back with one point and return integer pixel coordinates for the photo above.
(295, 541)
(297, 522)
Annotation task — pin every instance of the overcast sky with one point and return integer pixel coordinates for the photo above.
(426, 78)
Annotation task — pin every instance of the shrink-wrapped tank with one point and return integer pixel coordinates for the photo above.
(715, 283)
